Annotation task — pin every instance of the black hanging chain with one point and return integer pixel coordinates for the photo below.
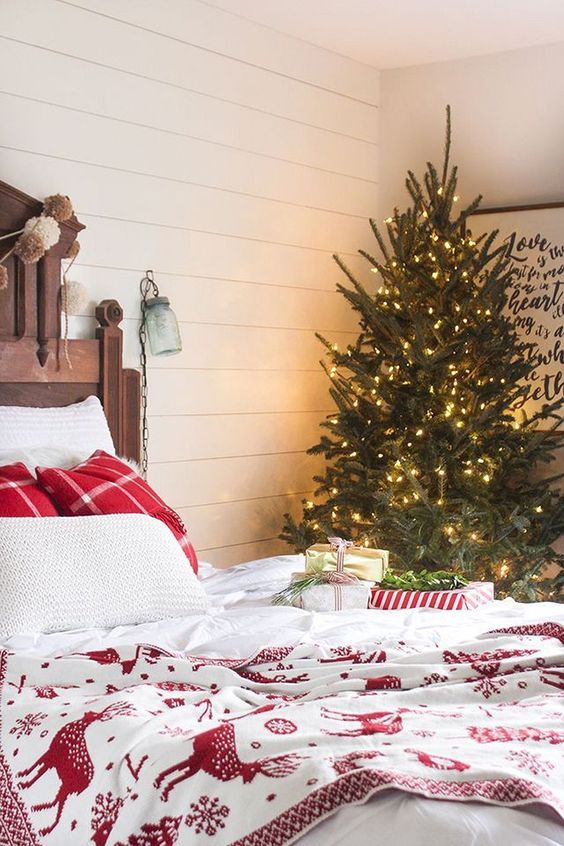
(148, 288)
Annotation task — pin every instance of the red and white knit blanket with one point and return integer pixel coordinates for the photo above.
(142, 747)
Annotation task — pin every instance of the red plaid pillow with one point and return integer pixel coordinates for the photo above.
(20, 494)
(105, 485)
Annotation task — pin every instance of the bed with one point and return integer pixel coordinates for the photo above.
(226, 720)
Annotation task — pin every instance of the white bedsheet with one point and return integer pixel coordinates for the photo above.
(239, 622)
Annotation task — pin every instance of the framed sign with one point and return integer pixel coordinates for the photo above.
(534, 239)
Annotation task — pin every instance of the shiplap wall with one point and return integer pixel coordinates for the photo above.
(232, 160)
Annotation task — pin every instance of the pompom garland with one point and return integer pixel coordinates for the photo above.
(73, 250)
(74, 296)
(30, 247)
(39, 234)
(58, 206)
(46, 227)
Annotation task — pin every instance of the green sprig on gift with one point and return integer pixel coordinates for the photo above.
(409, 580)
(288, 595)
(424, 580)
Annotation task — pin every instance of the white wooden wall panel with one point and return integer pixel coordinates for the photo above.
(102, 91)
(215, 347)
(227, 479)
(236, 391)
(209, 28)
(67, 133)
(247, 348)
(113, 242)
(229, 301)
(239, 522)
(233, 160)
(151, 56)
(189, 437)
(108, 193)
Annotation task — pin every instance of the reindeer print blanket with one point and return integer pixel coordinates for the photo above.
(140, 746)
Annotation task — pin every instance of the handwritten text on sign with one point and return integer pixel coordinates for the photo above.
(535, 244)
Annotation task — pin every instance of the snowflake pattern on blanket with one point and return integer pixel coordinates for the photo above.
(136, 746)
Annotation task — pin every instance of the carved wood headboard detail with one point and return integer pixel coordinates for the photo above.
(33, 371)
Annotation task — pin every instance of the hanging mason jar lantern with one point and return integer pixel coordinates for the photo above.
(158, 321)
(160, 327)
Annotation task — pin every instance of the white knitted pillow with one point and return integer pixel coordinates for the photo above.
(59, 573)
(81, 428)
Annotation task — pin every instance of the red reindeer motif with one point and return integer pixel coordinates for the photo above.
(215, 752)
(112, 656)
(553, 677)
(437, 762)
(42, 691)
(68, 755)
(207, 710)
(373, 722)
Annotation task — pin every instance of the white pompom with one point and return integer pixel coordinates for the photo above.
(75, 296)
(46, 227)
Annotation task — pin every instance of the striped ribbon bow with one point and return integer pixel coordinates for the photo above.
(339, 576)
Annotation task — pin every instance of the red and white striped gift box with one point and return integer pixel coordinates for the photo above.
(474, 594)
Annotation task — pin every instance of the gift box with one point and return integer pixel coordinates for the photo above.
(334, 596)
(466, 598)
(338, 576)
(366, 564)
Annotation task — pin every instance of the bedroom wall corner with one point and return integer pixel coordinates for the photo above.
(233, 160)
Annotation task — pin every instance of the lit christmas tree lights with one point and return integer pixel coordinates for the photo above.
(425, 453)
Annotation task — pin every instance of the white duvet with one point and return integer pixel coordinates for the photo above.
(240, 622)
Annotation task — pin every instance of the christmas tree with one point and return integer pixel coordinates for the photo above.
(426, 454)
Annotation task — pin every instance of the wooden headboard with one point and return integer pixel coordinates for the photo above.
(33, 369)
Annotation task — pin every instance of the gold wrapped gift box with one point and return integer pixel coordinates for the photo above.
(367, 564)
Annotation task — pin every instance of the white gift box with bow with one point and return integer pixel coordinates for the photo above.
(339, 590)
(335, 597)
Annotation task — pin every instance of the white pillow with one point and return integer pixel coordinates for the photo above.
(59, 573)
(80, 428)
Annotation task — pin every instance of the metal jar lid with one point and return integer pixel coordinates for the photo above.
(153, 301)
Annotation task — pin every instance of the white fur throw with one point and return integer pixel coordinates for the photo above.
(59, 573)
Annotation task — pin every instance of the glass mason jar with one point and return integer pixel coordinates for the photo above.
(162, 327)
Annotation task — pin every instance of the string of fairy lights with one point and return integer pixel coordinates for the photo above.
(453, 404)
